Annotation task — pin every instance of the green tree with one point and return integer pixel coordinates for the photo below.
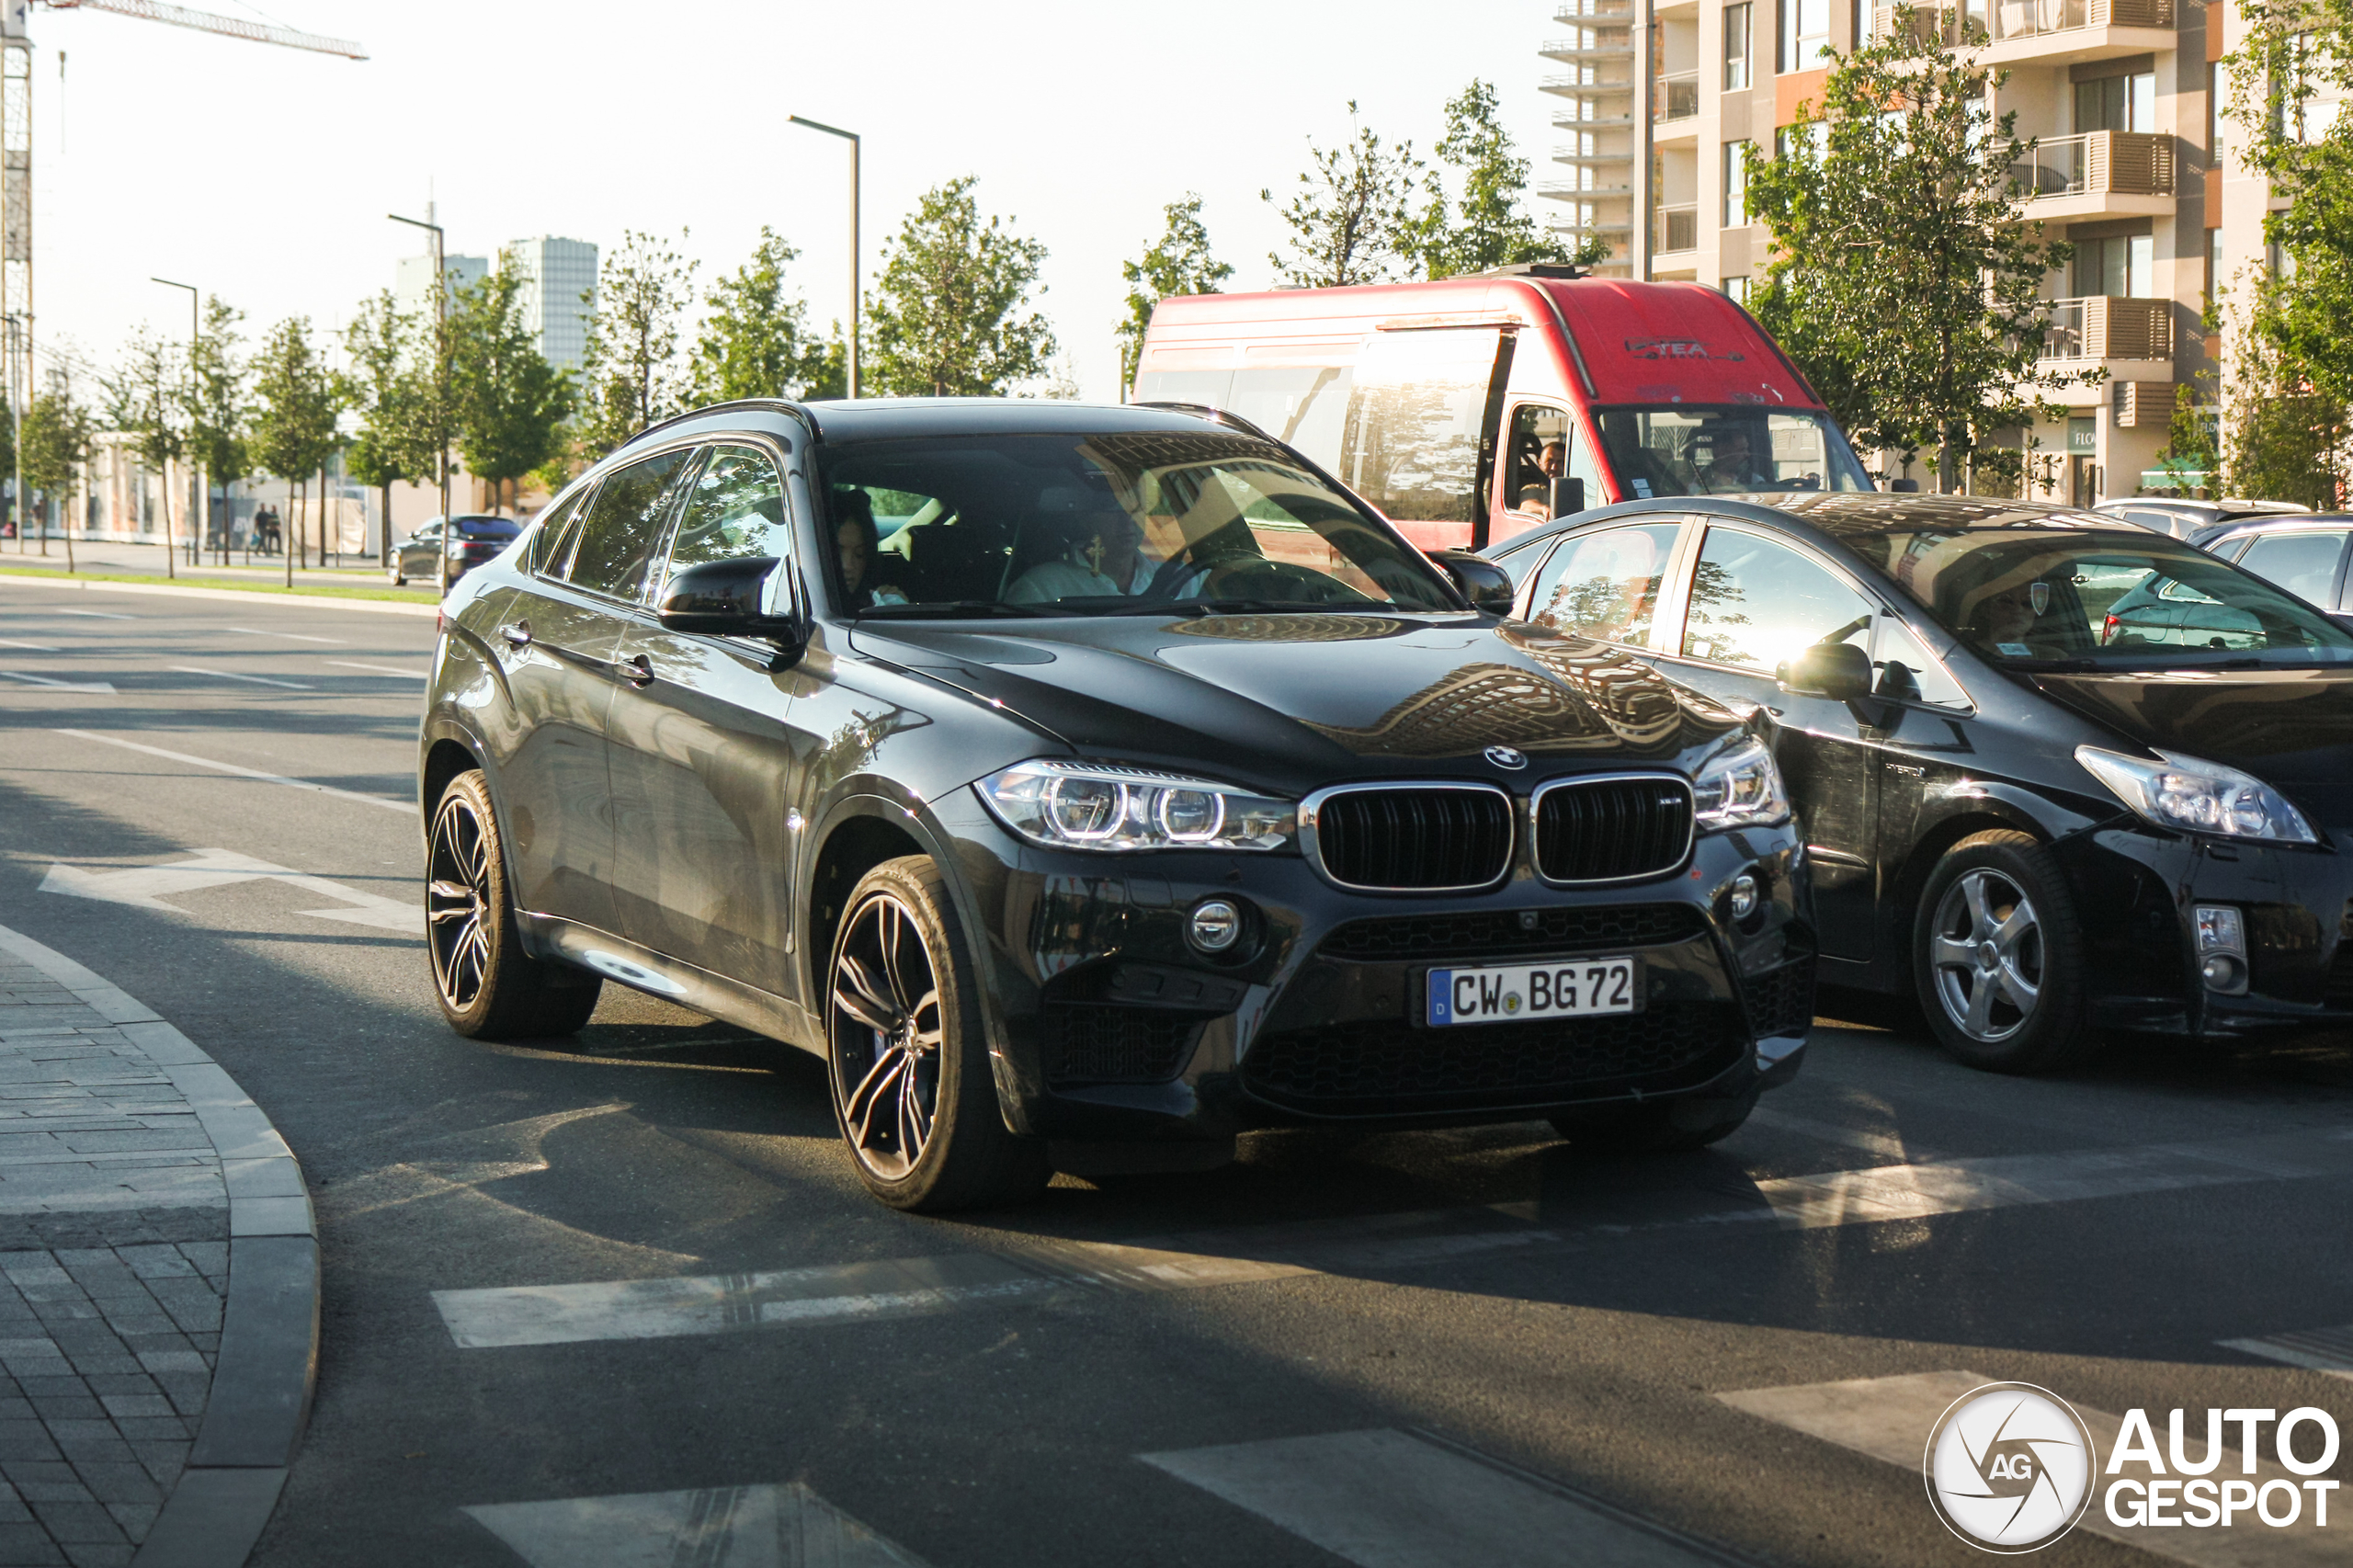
(949, 316)
(216, 408)
(631, 377)
(391, 385)
(1901, 275)
(2283, 432)
(1351, 220)
(511, 402)
(1178, 262)
(756, 340)
(1483, 225)
(293, 429)
(57, 442)
(145, 397)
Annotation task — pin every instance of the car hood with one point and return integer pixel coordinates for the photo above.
(1293, 701)
(2292, 728)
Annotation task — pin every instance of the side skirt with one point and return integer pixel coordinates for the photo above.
(642, 968)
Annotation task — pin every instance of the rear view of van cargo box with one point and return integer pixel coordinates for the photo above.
(1455, 406)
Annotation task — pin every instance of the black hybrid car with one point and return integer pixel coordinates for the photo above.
(2056, 774)
(1086, 786)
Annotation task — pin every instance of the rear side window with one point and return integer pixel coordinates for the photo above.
(1605, 586)
(1760, 604)
(559, 528)
(735, 511)
(2302, 563)
(623, 527)
(1905, 670)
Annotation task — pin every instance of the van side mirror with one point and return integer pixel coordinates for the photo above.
(724, 598)
(1568, 496)
(1840, 671)
(1487, 586)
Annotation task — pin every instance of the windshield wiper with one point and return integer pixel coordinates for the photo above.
(952, 610)
(1231, 606)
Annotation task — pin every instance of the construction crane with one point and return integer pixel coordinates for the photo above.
(17, 141)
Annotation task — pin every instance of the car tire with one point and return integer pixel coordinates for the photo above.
(489, 988)
(2002, 993)
(1673, 1125)
(913, 1091)
(398, 581)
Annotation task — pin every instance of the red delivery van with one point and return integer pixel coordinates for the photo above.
(1451, 405)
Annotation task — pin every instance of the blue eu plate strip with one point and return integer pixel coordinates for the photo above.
(1441, 996)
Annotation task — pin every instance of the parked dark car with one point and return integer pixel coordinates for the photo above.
(2039, 816)
(2187, 519)
(2302, 553)
(1086, 786)
(445, 550)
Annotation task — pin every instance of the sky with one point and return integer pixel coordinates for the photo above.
(264, 175)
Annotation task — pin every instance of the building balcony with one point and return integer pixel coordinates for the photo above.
(2045, 32)
(1590, 43)
(2132, 339)
(1569, 190)
(1593, 122)
(2100, 174)
(1675, 228)
(1573, 13)
(1676, 97)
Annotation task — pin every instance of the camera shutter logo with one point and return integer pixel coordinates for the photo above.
(2010, 1467)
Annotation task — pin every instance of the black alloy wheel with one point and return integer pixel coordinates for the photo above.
(913, 1091)
(489, 988)
(1998, 957)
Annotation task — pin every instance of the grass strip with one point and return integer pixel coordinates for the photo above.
(324, 591)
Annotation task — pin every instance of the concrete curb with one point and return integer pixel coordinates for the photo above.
(268, 1365)
(239, 595)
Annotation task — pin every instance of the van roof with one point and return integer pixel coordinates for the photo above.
(1636, 343)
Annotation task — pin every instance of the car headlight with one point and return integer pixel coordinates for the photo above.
(2194, 796)
(1740, 787)
(1072, 805)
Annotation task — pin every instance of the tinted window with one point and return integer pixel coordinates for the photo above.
(1415, 420)
(1725, 452)
(2303, 563)
(1605, 585)
(487, 528)
(1759, 604)
(623, 527)
(1908, 672)
(733, 512)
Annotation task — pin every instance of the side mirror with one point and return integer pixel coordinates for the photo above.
(1840, 671)
(1568, 496)
(723, 598)
(1903, 488)
(1487, 586)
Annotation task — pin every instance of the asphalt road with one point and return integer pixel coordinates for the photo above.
(1406, 1349)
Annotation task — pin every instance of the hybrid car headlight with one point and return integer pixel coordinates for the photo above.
(1074, 805)
(1740, 787)
(2193, 796)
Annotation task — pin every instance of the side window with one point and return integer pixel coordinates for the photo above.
(1908, 672)
(1416, 418)
(1545, 445)
(1758, 603)
(1605, 586)
(623, 527)
(2303, 563)
(1300, 406)
(733, 512)
(1521, 560)
(558, 527)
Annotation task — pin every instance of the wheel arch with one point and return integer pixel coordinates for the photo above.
(1934, 843)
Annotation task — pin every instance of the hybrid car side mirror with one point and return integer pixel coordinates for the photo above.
(1840, 671)
(726, 598)
(1487, 586)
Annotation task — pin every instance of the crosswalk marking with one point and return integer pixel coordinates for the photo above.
(230, 674)
(36, 647)
(2326, 1350)
(651, 1309)
(1890, 1419)
(378, 669)
(407, 808)
(144, 887)
(54, 683)
(1386, 1499)
(719, 1527)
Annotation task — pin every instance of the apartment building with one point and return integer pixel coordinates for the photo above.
(1658, 99)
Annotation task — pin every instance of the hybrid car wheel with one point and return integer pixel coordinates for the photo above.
(912, 1088)
(1997, 955)
(488, 986)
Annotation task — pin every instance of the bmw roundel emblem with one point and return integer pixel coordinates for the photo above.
(1507, 756)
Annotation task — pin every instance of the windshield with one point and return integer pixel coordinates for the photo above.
(1104, 524)
(1680, 451)
(2102, 600)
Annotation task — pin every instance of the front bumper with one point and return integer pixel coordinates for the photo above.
(1106, 1026)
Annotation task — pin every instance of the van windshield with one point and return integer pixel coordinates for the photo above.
(1679, 449)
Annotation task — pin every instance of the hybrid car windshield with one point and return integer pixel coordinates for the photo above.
(1681, 450)
(1131, 522)
(2056, 598)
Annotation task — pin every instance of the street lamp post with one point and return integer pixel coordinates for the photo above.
(16, 444)
(192, 331)
(440, 348)
(850, 137)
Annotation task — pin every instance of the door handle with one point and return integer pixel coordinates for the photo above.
(517, 635)
(640, 670)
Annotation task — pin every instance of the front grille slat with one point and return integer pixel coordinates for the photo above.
(1605, 830)
(1415, 838)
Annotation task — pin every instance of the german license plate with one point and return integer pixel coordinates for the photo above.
(1504, 993)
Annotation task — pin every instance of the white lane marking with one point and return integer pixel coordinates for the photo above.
(143, 887)
(1890, 1419)
(1385, 1499)
(228, 675)
(36, 647)
(2326, 1350)
(407, 808)
(380, 669)
(649, 1308)
(97, 614)
(294, 636)
(742, 1526)
(54, 684)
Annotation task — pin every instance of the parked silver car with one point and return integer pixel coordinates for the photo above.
(2183, 519)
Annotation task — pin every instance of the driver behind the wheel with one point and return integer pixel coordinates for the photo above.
(1098, 551)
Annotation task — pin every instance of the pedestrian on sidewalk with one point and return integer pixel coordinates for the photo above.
(266, 531)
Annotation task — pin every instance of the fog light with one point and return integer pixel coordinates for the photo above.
(1215, 925)
(2221, 973)
(2222, 947)
(1744, 896)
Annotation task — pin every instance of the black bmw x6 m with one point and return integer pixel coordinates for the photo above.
(1086, 786)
